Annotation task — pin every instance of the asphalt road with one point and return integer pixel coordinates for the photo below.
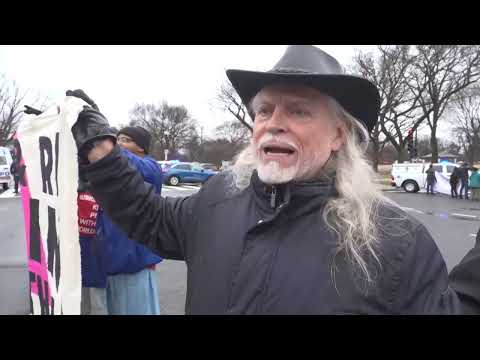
(171, 274)
(13, 258)
(452, 223)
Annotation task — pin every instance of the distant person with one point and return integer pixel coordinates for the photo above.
(475, 184)
(454, 180)
(14, 170)
(431, 179)
(463, 172)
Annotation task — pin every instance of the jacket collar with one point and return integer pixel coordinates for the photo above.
(300, 195)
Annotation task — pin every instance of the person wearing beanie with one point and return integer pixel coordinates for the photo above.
(131, 287)
(136, 139)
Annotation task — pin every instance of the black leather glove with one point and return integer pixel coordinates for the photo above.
(30, 110)
(90, 127)
(79, 93)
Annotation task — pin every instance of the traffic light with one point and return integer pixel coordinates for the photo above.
(410, 145)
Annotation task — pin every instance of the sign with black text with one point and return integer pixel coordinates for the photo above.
(48, 183)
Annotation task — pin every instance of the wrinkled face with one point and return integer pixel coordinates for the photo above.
(294, 133)
(127, 143)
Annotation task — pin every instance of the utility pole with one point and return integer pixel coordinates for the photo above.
(166, 133)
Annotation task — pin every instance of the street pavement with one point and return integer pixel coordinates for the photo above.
(171, 274)
(452, 223)
(13, 258)
(181, 190)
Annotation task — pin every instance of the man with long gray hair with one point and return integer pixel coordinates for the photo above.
(297, 226)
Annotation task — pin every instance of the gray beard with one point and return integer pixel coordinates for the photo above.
(238, 177)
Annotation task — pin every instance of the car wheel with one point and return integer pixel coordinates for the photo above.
(5, 186)
(410, 186)
(174, 181)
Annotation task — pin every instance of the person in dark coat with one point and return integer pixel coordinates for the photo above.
(454, 179)
(431, 179)
(15, 171)
(298, 225)
(463, 175)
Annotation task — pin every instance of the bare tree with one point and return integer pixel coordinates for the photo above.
(391, 70)
(441, 72)
(171, 126)
(11, 110)
(195, 148)
(447, 145)
(234, 132)
(467, 122)
(218, 150)
(423, 145)
(228, 100)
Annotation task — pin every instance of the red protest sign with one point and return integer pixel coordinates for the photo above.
(87, 214)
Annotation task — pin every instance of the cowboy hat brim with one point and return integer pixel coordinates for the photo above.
(356, 95)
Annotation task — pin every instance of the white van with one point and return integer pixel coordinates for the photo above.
(5, 162)
(412, 177)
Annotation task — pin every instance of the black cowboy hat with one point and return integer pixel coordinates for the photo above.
(310, 66)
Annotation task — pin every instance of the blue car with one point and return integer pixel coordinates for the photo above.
(186, 173)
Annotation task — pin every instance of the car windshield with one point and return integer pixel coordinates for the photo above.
(3, 160)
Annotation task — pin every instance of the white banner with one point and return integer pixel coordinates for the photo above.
(49, 196)
(443, 183)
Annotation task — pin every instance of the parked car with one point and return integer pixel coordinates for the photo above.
(412, 177)
(166, 164)
(226, 165)
(5, 162)
(208, 166)
(186, 173)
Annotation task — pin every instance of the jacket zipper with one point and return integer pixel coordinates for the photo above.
(273, 197)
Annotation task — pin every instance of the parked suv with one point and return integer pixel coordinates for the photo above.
(412, 177)
(186, 173)
(5, 162)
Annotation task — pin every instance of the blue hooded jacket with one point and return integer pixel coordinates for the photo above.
(93, 266)
(123, 255)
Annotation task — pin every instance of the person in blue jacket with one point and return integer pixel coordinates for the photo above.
(131, 278)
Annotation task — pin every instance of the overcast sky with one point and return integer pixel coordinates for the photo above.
(117, 77)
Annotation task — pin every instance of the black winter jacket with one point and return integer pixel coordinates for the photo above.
(14, 168)
(260, 251)
(462, 173)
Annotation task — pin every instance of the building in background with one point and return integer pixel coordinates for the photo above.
(443, 157)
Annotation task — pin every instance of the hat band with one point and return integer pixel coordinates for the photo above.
(291, 71)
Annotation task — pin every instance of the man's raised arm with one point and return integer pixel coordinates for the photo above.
(157, 223)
